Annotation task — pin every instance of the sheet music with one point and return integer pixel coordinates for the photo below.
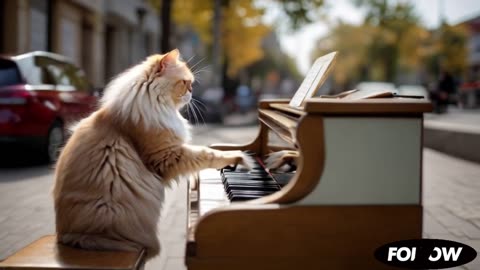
(315, 77)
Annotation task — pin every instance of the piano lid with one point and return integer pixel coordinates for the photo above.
(368, 106)
(393, 105)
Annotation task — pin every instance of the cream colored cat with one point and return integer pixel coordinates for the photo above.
(110, 177)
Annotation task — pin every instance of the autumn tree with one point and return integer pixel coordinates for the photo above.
(297, 13)
(352, 43)
(390, 41)
(452, 51)
(395, 26)
(242, 29)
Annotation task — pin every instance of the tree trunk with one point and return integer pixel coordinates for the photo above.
(217, 47)
(166, 25)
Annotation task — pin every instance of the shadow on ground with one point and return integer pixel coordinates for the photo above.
(20, 157)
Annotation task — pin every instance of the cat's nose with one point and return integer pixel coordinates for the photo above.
(188, 84)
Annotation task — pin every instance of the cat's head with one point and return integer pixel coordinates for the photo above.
(151, 92)
(169, 77)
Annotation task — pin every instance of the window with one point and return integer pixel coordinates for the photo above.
(53, 71)
(48, 70)
(77, 78)
(9, 74)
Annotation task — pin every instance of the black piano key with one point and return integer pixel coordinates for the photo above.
(250, 192)
(233, 194)
(253, 185)
(249, 185)
(254, 182)
(239, 198)
(265, 189)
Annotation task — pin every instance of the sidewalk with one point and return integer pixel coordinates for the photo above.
(451, 200)
(456, 133)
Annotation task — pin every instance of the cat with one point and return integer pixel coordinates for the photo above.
(111, 175)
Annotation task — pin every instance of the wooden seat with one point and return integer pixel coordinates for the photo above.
(46, 253)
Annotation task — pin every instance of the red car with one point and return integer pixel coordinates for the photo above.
(41, 94)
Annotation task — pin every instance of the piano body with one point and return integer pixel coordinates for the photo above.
(357, 186)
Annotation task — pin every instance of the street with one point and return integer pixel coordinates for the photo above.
(451, 199)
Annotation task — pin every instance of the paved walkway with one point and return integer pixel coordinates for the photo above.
(462, 120)
(451, 199)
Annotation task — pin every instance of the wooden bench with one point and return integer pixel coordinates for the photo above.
(46, 253)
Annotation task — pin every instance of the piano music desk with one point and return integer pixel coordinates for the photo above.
(357, 186)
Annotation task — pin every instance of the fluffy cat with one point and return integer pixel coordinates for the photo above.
(110, 177)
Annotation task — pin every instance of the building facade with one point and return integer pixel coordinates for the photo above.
(473, 48)
(104, 37)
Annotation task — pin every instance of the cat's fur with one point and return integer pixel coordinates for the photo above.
(110, 177)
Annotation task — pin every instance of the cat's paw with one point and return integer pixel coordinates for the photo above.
(238, 158)
(247, 161)
(278, 159)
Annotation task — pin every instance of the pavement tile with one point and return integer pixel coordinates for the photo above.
(175, 264)
(431, 225)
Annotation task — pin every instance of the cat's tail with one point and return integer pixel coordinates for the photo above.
(102, 242)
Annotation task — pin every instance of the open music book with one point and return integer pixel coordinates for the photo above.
(317, 75)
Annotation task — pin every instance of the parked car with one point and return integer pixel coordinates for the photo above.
(41, 94)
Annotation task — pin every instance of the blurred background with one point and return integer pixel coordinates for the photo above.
(246, 50)
(64, 52)
(56, 56)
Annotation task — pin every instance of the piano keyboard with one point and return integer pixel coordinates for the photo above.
(219, 188)
(242, 184)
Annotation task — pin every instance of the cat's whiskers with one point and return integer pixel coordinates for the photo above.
(201, 69)
(198, 110)
(194, 113)
(189, 116)
(196, 64)
(201, 103)
(198, 75)
(191, 58)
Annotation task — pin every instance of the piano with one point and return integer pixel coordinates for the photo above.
(357, 186)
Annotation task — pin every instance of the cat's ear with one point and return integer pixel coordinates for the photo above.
(171, 57)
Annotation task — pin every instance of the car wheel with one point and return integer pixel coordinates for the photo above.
(54, 142)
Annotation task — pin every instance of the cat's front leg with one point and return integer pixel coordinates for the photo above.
(188, 159)
(217, 159)
(222, 159)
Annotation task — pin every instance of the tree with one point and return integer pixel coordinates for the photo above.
(166, 25)
(242, 35)
(452, 48)
(164, 10)
(353, 44)
(241, 29)
(394, 26)
(300, 12)
(238, 21)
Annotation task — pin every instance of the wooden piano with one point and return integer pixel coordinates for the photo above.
(357, 186)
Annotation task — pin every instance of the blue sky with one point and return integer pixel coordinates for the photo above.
(302, 41)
